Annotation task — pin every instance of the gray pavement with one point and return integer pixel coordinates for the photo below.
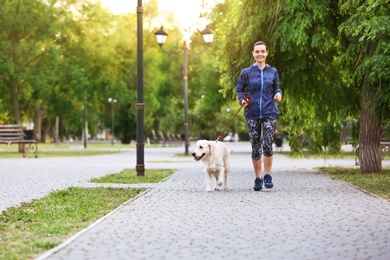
(305, 216)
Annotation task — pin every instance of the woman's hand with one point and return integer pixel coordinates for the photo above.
(244, 103)
(278, 97)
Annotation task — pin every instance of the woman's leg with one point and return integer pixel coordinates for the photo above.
(269, 131)
(268, 164)
(268, 136)
(254, 130)
(257, 167)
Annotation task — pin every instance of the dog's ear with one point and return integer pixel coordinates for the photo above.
(211, 148)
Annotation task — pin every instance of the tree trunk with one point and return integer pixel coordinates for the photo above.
(369, 134)
(45, 130)
(15, 103)
(370, 124)
(17, 113)
(37, 123)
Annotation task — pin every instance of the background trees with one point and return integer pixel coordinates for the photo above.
(367, 30)
(332, 56)
(56, 55)
(325, 52)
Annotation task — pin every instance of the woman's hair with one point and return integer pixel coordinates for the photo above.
(260, 43)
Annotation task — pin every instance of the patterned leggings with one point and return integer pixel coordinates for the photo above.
(261, 143)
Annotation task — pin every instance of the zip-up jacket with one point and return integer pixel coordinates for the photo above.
(262, 85)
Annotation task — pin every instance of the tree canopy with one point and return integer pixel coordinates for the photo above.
(332, 56)
(333, 60)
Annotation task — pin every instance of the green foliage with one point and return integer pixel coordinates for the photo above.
(26, 35)
(53, 59)
(76, 51)
(320, 50)
(368, 27)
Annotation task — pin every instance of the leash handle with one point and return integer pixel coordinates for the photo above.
(248, 99)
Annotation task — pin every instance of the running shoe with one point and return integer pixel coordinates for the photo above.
(268, 181)
(258, 184)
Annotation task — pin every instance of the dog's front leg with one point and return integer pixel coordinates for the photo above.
(207, 176)
(221, 177)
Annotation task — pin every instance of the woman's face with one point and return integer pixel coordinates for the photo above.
(260, 53)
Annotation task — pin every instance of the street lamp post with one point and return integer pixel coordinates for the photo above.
(85, 132)
(112, 101)
(140, 166)
(208, 38)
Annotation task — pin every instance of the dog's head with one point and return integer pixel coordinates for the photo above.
(202, 149)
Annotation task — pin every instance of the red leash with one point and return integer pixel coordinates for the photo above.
(248, 100)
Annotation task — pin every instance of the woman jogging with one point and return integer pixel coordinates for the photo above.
(261, 82)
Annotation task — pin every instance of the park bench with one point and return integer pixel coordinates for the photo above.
(385, 147)
(10, 134)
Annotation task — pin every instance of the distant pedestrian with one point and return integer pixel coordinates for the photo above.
(261, 82)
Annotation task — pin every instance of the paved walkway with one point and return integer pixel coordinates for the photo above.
(305, 215)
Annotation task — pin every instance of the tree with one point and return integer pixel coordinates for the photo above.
(302, 41)
(316, 63)
(367, 28)
(25, 35)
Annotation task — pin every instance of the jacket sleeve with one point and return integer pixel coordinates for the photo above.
(240, 86)
(276, 83)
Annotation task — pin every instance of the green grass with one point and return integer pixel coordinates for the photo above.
(376, 183)
(63, 150)
(130, 176)
(35, 227)
(45, 154)
(341, 155)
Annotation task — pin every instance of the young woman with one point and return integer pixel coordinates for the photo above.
(261, 82)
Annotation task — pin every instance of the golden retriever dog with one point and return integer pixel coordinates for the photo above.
(215, 156)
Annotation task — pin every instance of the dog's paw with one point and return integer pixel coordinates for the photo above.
(216, 189)
(209, 190)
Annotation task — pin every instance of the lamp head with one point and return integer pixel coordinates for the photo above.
(207, 35)
(161, 36)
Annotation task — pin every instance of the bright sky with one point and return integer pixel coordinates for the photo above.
(186, 11)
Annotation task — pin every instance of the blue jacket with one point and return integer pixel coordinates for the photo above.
(262, 85)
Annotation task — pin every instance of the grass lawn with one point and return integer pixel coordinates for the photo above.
(341, 155)
(376, 183)
(45, 154)
(37, 226)
(63, 150)
(130, 176)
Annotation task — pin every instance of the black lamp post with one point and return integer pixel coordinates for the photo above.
(112, 101)
(85, 132)
(208, 37)
(140, 167)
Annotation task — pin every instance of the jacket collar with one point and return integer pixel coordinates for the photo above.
(266, 66)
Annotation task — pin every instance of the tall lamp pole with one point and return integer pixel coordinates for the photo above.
(85, 132)
(140, 167)
(208, 38)
(112, 101)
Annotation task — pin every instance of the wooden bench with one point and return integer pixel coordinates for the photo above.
(10, 134)
(385, 147)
